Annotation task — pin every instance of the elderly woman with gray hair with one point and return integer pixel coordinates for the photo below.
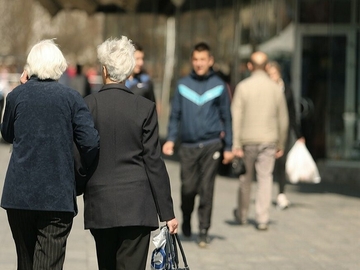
(130, 189)
(43, 119)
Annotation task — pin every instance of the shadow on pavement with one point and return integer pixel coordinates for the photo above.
(194, 237)
(326, 187)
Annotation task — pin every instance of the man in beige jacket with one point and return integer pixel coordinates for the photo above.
(260, 123)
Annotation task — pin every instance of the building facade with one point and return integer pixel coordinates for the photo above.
(317, 43)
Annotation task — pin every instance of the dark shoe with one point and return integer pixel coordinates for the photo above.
(262, 226)
(186, 228)
(203, 238)
(237, 219)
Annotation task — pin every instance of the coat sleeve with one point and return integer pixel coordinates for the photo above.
(226, 118)
(293, 121)
(86, 137)
(155, 167)
(236, 112)
(283, 121)
(7, 126)
(175, 116)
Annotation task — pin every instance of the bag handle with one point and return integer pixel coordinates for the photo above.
(171, 251)
(178, 242)
(173, 242)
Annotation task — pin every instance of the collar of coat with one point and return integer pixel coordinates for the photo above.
(118, 86)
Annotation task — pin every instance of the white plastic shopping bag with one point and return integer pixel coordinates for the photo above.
(300, 166)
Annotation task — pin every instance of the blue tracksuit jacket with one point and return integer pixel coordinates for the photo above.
(200, 110)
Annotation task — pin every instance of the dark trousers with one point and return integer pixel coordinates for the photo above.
(199, 166)
(279, 169)
(122, 248)
(40, 238)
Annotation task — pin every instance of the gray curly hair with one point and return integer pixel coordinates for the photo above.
(117, 55)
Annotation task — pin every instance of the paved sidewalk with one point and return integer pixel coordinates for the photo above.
(321, 230)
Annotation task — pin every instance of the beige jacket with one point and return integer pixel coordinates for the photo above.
(259, 112)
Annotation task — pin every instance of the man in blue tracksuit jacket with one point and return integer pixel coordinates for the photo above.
(201, 118)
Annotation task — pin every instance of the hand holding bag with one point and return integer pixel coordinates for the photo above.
(165, 255)
(238, 166)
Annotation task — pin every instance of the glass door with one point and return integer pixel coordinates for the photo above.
(325, 84)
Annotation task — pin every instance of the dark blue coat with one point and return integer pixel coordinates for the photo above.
(42, 120)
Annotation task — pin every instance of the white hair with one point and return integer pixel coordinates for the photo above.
(46, 61)
(117, 55)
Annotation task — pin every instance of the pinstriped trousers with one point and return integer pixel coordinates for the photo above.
(40, 238)
(259, 159)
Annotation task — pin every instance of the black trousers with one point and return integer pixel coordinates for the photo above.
(40, 237)
(199, 167)
(122, 248)
(279, 169)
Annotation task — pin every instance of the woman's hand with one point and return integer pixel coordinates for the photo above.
(172, 225)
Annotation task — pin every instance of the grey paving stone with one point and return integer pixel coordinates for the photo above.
(320, 230)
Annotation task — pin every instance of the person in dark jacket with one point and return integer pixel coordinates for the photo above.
(43, 119)
(274, 71)
(201, 118)
(130, 188)
(139, 81)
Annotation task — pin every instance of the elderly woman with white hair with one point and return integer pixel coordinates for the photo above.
(130, 190)
(42, 120)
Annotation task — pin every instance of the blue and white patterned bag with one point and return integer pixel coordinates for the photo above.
(165, 256)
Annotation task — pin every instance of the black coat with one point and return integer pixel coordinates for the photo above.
(293, 121)
(130, 186)
(42, 120)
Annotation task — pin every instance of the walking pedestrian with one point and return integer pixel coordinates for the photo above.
(139, 81)
(274, 70)
(260, 123)
(201, 119)
(130, 189)
(42, 120)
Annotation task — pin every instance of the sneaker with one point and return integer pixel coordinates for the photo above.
(203, 238)
(262, 226)
(186, 228)
(237, 219)
(282, 202)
